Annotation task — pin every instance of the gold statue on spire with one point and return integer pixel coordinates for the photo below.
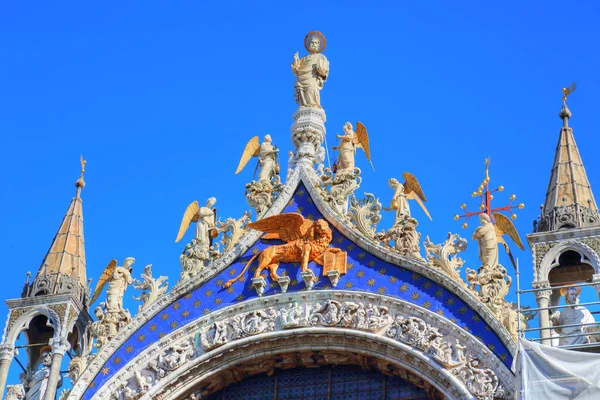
(567, 91)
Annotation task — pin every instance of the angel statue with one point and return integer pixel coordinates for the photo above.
(349, 141)
(111, 314)
(410, 190)
(311, 71)
(267, 158)
(489, 235)
(205, 219)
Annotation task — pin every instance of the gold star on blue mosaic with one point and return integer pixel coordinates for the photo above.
(382, 271)
(128, 349)
(440, 311)
(240, 298)
(206, 311)
(232, 271)
(475, 318)
(427, 304)
(141, 338)
(208, 293)
(393, 279)
(117, 360)
(153, 327)
(372, 263)
(187, 296)
(185, 314)
(427, 285)
(503, 356)
(349, 266)
(339, 240)
(326, 286)
(361, 255)
(415, 296)
(218, 301)
(294, 282)
(93, 384)
(348, 285)
(197, 303)
(104, 371)
(350, 247)
(415, 277)
(176, 306)
(462, 310)
(300, 209)
(404, 288)
(439, 293)
(381, 290)
(451, 301)
(300, 193)
(360, 274)
(230, 289)
(491, 347)
(220, 282)
(174, 324)
(255, 251)
(162, 335)
(371, 282)
(164, 316)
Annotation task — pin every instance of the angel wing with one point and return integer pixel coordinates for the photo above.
(190, 215)
(503, 226)
(361, 139)
(413, 191)
(287, 227)
(252, 149)
(105, 277)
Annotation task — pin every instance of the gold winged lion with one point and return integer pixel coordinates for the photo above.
(305, 241)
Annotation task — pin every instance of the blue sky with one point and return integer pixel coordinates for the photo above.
(161, 100)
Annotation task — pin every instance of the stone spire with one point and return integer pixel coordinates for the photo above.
(569, 199)
(63, 269)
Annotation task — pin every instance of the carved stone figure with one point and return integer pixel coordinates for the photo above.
(175, 356)
(573, 314)
(305, 241)
(232, 230)
(152, 288)
(35, 384)
(311, 71)
(349, 141)
(487, 240)
(481, 382)
(293, 317)
(336, 189)
(111, 314)
(205, 219)
(404, 238)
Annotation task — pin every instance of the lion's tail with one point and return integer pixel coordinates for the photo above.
(237, 278)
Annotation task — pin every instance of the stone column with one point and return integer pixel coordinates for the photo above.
(7, 353)
(59, 347)
(543, 300)
(308, 134)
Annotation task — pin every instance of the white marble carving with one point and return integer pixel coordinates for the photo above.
(365, 214)
(444, 256)
(152, 288)
(15, 392)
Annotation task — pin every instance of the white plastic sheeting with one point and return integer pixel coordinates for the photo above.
(548, 373)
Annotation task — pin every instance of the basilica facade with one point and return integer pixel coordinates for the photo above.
(302, 298)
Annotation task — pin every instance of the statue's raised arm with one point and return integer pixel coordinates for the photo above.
(311, 71)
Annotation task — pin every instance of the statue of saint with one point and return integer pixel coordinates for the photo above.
(488, 241)
(269, 166)
(573, 314)
(205, 219)
(37, 383)
(311, 71)
(399, 201)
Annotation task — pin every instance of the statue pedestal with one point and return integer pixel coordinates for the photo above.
(308, 134)
(284, 282)
(259, 284)
(334, 277)
(309, 279)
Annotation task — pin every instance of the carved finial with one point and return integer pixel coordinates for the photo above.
(80, 183)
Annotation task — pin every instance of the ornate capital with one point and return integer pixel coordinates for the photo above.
(59, 346)
(541, 295)
(7, 351)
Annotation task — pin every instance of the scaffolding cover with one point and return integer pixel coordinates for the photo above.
(549, 373)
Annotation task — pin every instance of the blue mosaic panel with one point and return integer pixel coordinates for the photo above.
(326, 383)
(365, 273)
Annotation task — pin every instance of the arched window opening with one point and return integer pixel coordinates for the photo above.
(570, 270)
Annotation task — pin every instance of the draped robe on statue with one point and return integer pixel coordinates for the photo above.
(268, 162)
(488, 244)
(311, 71)
(574, 315)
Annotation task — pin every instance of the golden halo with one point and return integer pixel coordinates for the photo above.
(321, 37)
(564, 290)
(44, 349)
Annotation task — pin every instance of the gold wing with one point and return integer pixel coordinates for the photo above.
(361, 139)
(190, 215)
(105, 277)
(252, 149)
(413, 191)
(287, 227)
(503, 226)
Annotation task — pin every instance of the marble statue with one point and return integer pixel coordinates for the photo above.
(485, 235)
(205, 220)
(110, 314)
(410, 190)
(573, 314)
(267, 158)
(311, 71)
(35, 384)
(349, 142)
